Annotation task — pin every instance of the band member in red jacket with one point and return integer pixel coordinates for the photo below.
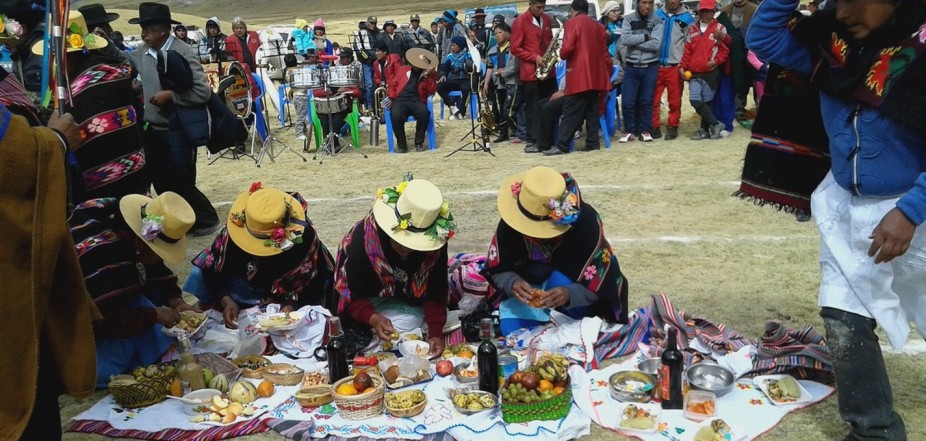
(705, 52)
(408, 88)
(588, 74)
(531, 35)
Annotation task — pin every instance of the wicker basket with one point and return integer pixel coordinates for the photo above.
(144, 393)
(408, 412)
(361, 406)
(314, 396)
(251, 373)
(293, 378)
(546, 410)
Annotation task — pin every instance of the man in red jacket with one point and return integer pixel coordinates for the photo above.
(408, 88)
(705, 52)
(240, 39)
(531, 35)
(588, 73)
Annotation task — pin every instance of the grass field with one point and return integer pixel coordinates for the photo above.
(666, 206)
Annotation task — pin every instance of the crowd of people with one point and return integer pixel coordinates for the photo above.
(85, 229)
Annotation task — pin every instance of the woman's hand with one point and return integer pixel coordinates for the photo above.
(437, 346)
(179, 305)
(382, 327)
(167, 316)
(230, 312)
(556, 297)
(522, 291)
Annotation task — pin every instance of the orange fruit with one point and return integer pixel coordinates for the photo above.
(265, 389)
(558, 390)
(176, 388)
(466, 353)
(346, 389)
(545, 385)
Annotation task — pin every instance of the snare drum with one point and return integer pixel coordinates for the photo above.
(237, 94)
(335, 104)
(343, 76)
(304, 78)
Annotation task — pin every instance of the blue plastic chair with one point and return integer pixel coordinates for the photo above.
(473, 102)
(606, 129)
(432, 135)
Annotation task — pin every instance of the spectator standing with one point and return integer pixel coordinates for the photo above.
(676, 18)
(321, 39)
(740, 13)
(531, 35)
(704, 54)
(641, 35)
(242, 45)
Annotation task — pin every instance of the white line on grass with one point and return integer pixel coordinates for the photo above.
(711, 239)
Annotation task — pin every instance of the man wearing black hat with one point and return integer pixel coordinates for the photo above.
(482, 34)
(96, 17)
(171, 161)
(389, 37)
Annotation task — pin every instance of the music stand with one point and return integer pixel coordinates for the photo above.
(267, 146)
(477, 144)
(279, 56)
(329, 145)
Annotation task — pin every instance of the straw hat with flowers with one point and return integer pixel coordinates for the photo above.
(539, 203)
(414, 214)
(162, 222)
(78, 36)
(264, 221)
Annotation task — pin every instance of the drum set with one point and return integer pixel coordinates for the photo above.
(308, 78)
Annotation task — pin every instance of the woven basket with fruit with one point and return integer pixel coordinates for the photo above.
(542, 393)
(405, 404)
(359, 397)
(146, 386)
(252, 366)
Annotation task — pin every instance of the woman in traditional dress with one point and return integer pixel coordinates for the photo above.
(550, 252)
(122, 245)
(392, 266)
(268, 252)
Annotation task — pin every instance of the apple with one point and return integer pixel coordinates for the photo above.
(444, 368)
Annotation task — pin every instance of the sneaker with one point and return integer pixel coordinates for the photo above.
(401, 150)
(532, 148)
(577, 134)
(419, 147)
(716, 130)
(501, 138)
(626, 137)
(656, 133)
(300, 137)
(646, 137)
(700, 134)
(671, 133)
(553, 151)
(459, 115)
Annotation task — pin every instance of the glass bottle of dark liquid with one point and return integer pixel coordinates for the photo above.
(337, 351)
(670, 373)
(487, 356)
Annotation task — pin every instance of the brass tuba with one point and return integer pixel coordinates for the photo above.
(379, 95)
(551, 56)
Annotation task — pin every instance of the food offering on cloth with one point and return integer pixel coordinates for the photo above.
(314, 396)
(472, 402)
(280, 321)
(466, 373)
(393, 340)
(199, 401)
(699, 405)
(461, 350)
(252, 365)
(542, 393)
(716, 429)
(443, 368)
(631, 386)
(243, 392)
(417, 348)
(639, 417)
(225, 411)
(406, 372)
(536, 298)
(190, 324)
(405, 404)
(283, 374)
(145, 386)
(218, 365)
(315, 378)
(359, 397)
(782, 389)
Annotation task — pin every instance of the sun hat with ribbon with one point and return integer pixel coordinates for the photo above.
(162, 222)
(264, 221)
(78, 36)
(414, 214)
(540, 203)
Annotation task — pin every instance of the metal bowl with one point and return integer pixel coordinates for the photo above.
(632, 386)
(456, 373)
(650, 366)
(712, 378)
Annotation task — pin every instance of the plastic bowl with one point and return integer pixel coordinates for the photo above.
(198, 401)
(711, 378)
(418, 348)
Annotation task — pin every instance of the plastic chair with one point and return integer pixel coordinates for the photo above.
(611, 120)
(473, 102)
(432, 136)
(352, 119)
(283, 112)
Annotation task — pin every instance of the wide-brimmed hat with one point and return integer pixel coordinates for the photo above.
(610, 6)
(389, 22)
(421, 58)
(162, 222)
(415, 215)
(78, 36)
(264, 221)
(95, 14)
(538, 203)
(150, 12)
(479, 12)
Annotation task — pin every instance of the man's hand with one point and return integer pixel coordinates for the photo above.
(555, 297)
(162, 98)
(167, 316)
(539, 59)
(711, 65)
(557, 95)
(718, 34)
(522, 291)
(442, 79)
(66, 125)
(437, 346)
(177, 304)
(485, 88)
(230, 312)
(892, 236)
(382, 327)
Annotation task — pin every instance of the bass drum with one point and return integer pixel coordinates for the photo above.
(232, 85)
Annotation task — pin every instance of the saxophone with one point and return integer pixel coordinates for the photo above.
(486, 117)
(379, 95)
(551, 56)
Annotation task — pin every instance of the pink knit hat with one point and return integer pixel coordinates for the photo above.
(319, 23)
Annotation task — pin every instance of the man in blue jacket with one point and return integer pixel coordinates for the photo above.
(867, 58)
